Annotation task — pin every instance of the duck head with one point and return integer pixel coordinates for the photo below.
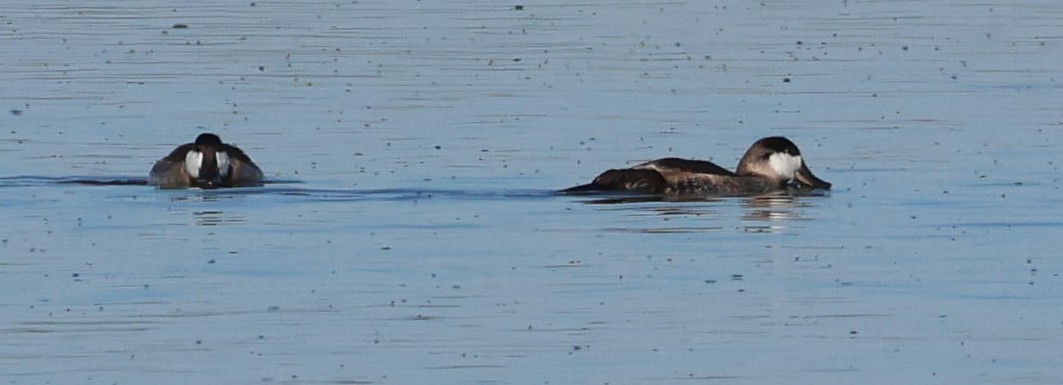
(778, 159)
(207, 162)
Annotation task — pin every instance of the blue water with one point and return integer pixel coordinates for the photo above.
(412, 235)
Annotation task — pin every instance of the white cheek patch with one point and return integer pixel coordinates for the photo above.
(785, 165)
(223, 163)
(193, 160)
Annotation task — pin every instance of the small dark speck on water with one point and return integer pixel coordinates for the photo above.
(180, 26)
(16, 112)
(518, 7)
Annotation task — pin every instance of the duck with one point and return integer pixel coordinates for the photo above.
(770, 165)
(206, 163)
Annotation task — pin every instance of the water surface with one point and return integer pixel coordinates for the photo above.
(413, 236)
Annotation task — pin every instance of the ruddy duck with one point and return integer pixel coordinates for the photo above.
(771, 164)
(208, 163)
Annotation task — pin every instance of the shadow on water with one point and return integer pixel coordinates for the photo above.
(767, 210)
(36, 181)
(283, 188)
(30, 181)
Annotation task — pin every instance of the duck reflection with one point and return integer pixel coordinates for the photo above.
(199, 198)
(777, 209)
(773, 208)
(215, 218)
(772, 213)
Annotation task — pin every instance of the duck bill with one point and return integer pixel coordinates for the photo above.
(209, 177)
(208, 184)
(806, 179)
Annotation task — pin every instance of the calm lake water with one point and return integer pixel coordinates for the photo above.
(413, 236)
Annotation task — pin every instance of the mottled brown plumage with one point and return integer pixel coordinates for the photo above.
(771, 164)
(219, 165)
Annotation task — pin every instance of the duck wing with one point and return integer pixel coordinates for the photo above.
(178, 154)
(644, 181)
(235, 153)
(658, 176)
(676, 171)
(244, 172)
(679, 165)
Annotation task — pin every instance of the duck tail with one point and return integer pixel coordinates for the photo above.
(589, 188)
